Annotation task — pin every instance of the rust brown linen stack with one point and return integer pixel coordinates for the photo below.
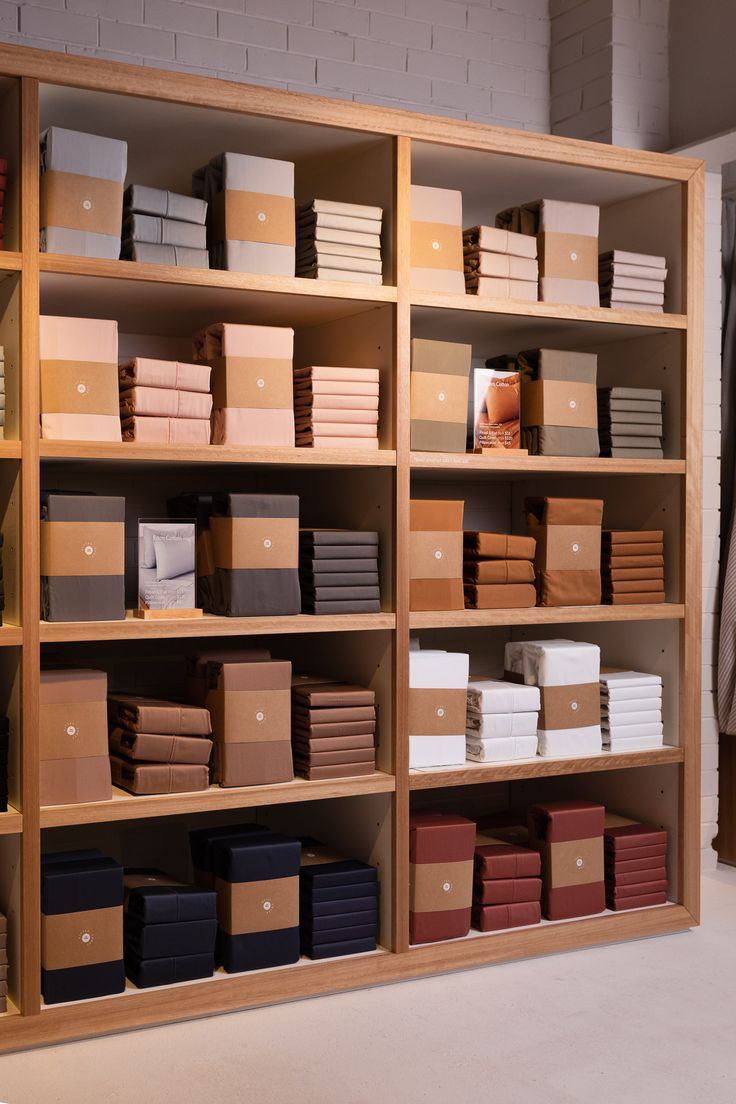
(498, 571)
(632, 566)
(568, 549)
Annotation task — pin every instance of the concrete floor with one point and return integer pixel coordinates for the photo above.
(646, 1022)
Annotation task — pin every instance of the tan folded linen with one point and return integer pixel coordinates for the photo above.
(500, 596)
(333, 387)
(327, 373)
(499, 546)
(164, 402)
(500, 266)
(655, 548)
(146, 372)
(167, 431)
(570, 588)
(642, 599)
(494, 240)
(633, 536)
(498, 571)
(633, 586)
(621, 573)
(319, 416)
(636, 561)
(498, 288)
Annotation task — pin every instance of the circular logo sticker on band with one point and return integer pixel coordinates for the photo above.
(87, 204)
(262, 216)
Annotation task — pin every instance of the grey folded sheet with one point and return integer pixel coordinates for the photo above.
(79, 243)
(82, 597)
(560, 441)
(143, 200)
(164, 231)
(147, 253)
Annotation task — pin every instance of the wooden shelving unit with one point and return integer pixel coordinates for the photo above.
(351, 152)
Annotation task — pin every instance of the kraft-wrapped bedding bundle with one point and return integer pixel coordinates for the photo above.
(507, 884)
(569, 837)
(632, 281)
(158, 746)
(169, 929)
(441, 847)
(253, 402)
(498, 571)
(501, 721)
(630, 422)
(251, 215)
(336, 407)
(72, 729)
(559, 415)
(82, 557)
(165, 401)
(161, 227)
(567, 532)
(81, 926)
(333, 728)
(82, 177)
(79, 379)
(440, 372)
(635, 863)
(338, 903)
(500, 264)
(339, 241)
(634, 722)
(436, 240)
(438, 688)
(632, 566)
(436, 554)
(327, 588)
(567, 239)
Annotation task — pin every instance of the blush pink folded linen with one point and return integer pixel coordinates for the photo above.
(80, 427)
(336, 402)
(237, 425)
(167, 431)
(310, 441)
(163, 402)
(357, 417)
(339, 429)
(173, 374)
(327, 373)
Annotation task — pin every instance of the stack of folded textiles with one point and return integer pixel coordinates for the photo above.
(333, 728)
(338, 571)
(4, 751)
(169, 929)
(158, 746)
(338, 903)
(630, 422)
(500, 263)
(339, 241)
(631, 711)
(635, 864)
(2, 389)
(3, 184)
(336, 407)
(165, 401)
(632, 566)
(507, 884)
(632, 281)
(3, 963)
(161, 227)
(502, 720)
(498, 571)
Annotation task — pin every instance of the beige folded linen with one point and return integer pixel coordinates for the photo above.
(80, 427)
(252, 427)
(167, 431)
(494, 288)
(310, 440)
(147, 372)
(164, 402)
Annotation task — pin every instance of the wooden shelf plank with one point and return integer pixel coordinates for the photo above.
(135, 628)
(11, 823)
(464, 463)
(10, 261)
(10, 450)
(545, 615)
(471, 774)
(131, 453)
(125, 806)
(11, 636)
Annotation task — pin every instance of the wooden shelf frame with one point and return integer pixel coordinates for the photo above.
(405, 132)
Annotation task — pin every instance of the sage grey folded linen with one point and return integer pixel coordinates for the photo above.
(79, 243)
(560, 441)
(556, 383)
(164, 231)
(157, 201)
(96, 545)
(180, 255)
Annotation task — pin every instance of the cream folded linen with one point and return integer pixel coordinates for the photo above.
(563, 742)
(619, 723)
(499, 726)
(500, 751)
(487, 695)
(624, 708)
(633, 743)
(556, 662)
(653, 728)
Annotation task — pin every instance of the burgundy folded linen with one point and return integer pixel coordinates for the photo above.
(487, 918)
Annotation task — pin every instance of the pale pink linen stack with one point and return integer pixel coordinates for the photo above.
(79, 379)
(165, 402)
(336, 407)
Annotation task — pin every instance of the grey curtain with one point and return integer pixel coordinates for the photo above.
(727, 637)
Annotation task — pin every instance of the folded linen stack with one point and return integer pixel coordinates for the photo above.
(632, 281)
(161, 227)
(165, 401)
(635, 864)
(79, 379)
(169, 929)
(82, 179)
(507, 884)
(4, 752)
(631, 711)
(438, 690)
(158, 746)
(632, 566)
(339, 241)
(501, 721)
(329, 581)
(3, 963)
(3, 188)
(2, 389)
(333, 728)
(500, 264)
(567, 673)
(336, 407)
(558, 402)
(498, 571)
(630, 422)
(338, 903)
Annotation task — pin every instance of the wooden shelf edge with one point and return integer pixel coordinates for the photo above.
(134, 628)
(545, 615)
(548, 311)
(130, 452)
(471, 775)
(10, 450)
(536, 465)
(11, 636)
(10, 260)
(11, 823)
(125, 806)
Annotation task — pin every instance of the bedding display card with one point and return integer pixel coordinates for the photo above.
(166, 568)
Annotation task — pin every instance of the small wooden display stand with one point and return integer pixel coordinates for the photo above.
(167, 614)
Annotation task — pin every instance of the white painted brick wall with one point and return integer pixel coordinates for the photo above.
(485, 60)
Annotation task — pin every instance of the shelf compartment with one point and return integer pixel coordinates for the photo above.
(132, 453)
(125, 806)
(135, 628)
(544, 615)
(471, 774)
(468, 465)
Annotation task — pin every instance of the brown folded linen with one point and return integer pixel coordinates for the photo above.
(333, 758)
(498, 571)
(156, 748)
(565, 511)
(635, 536)
(436, 594)
(317, 691)
(506, 860)
(619, 562)
(621, 573)
(616, 904)
(498, 546)
(336, 728)
(569, 588)
(641, 599)
(158, 778)
(329, 714)
(333, 743)
(334, 771)
(166, 718)
(633, 586)
(500, 596)
(506, 891)
(655, 548)
(636, 855)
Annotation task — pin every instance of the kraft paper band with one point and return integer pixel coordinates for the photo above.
(254, 217)
(81, 203)
(437, 712)
(436, 245)
(570, 706)
(82, 548)
(440, 887)
(72, 730)
(253, 382)
(79, 387)
(568, 256)
(437, 397)
(81, 938)
(575, 862)
(559, 403)
(250, 716)
(255, 542)
(568, 547)
(246, 907)
(436, 555)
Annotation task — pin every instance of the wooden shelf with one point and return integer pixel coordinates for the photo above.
(125, 806)
(132, 453)
(472, 774)
(10, 261)
(469, 464)
(136, 628)
(11, 636)
(548, 311)
(10, 450)
(545, 615)
(11, 823)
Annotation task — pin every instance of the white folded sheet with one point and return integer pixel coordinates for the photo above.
(433, 669)
(621, 725)
(559, 743)
(616, 680)
(488, 695)
(498, 726)
(617, 694)
(557, 662)
(634, 743)
(621, 708)
(650, 728)
(499, 751)
(436, 751)
(514, 653)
